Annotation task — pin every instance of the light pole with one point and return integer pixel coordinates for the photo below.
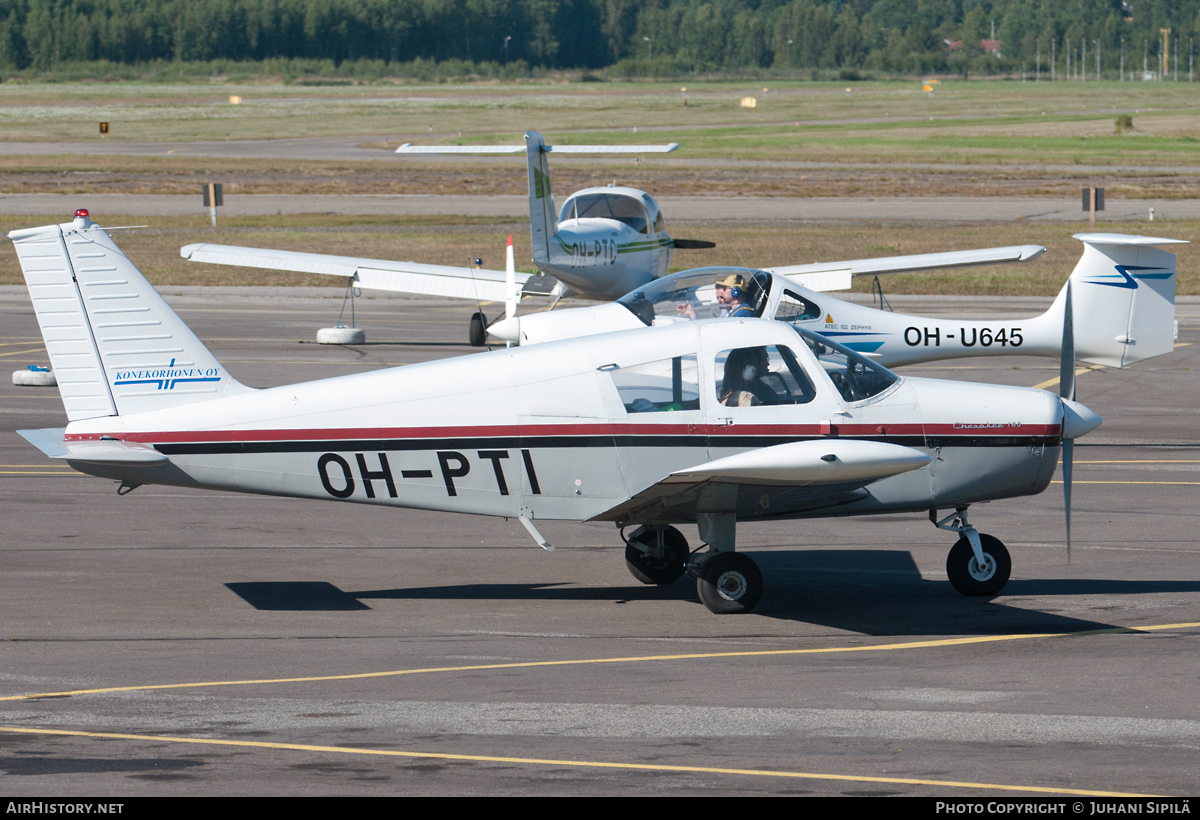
(787, 53)
(649, 49)
(506, 39)
(1097, 42)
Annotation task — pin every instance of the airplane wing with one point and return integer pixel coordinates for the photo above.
(409, 148)
(825, 276)
(374, 274)
(830, 471)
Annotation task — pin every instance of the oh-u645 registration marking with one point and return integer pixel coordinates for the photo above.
(983, 336)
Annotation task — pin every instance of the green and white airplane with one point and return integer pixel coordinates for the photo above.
(602, 244)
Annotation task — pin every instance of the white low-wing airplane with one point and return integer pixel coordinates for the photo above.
(647, 428)
(604, 243)
(1123, 311)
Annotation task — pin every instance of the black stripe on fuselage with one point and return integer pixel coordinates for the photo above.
(563, 442)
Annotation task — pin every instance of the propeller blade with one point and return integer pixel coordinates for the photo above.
(1068, 452)
(693, 244)
(510, 282)
(1066, 373)
(1066, 389)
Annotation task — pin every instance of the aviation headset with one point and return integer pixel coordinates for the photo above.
(735, 282)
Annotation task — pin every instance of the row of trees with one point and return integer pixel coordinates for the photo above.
(673, 35)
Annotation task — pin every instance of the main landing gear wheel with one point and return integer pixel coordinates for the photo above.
(477, 333)
(966, 574)
(658, 566)
(730, 583)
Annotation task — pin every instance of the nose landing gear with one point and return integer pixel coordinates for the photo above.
(978, 564)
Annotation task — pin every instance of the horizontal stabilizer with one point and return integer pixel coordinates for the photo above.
(825, 276)
(831, 461)
(373, 274)
(409, 148)
(1125, 239)
(103, 451)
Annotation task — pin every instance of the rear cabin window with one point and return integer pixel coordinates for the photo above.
(659, 387)
(795, 308)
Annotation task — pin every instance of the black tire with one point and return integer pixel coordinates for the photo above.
(477, 334)
(965, 574)
(658, 571)
(730, 583)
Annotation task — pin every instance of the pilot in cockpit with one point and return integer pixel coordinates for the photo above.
(734, 296)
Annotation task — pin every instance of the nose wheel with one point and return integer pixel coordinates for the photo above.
(978, 565)
(972, 577)
(477, 331)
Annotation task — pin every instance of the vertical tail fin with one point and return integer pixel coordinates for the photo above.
(116, 346)
(1124, 291)
(543, 218)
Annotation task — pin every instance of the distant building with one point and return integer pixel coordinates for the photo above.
(992, 46)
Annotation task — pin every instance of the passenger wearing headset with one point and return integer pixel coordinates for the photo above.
(732, 297)
(741, 384)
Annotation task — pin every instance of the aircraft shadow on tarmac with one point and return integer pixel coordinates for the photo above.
(873, 592)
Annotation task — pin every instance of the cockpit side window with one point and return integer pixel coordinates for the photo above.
(693, 295)
(613, 206)
(657, 387)
(855, 377)
(658, 222)
(795, 308)
(568, 211)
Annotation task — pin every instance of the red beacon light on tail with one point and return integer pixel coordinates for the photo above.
(81, 217)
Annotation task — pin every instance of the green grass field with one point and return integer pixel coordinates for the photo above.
(988, 121)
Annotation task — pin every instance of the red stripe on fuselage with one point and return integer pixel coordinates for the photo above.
(971, 429)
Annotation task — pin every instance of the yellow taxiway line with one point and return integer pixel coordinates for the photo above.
(1079, 372)
(1129, 482)
(583, 764)
(753, 653)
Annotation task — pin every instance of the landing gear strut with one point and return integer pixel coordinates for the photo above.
(978, 564)
(727, 582)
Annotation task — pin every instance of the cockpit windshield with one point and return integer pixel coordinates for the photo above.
(855, 376)
(620, 207)
(703, 293)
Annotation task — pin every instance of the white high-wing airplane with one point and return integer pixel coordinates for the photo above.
(1123, 312)
(604, 243)
(711, 422)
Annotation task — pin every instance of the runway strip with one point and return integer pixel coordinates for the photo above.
(757, 209)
